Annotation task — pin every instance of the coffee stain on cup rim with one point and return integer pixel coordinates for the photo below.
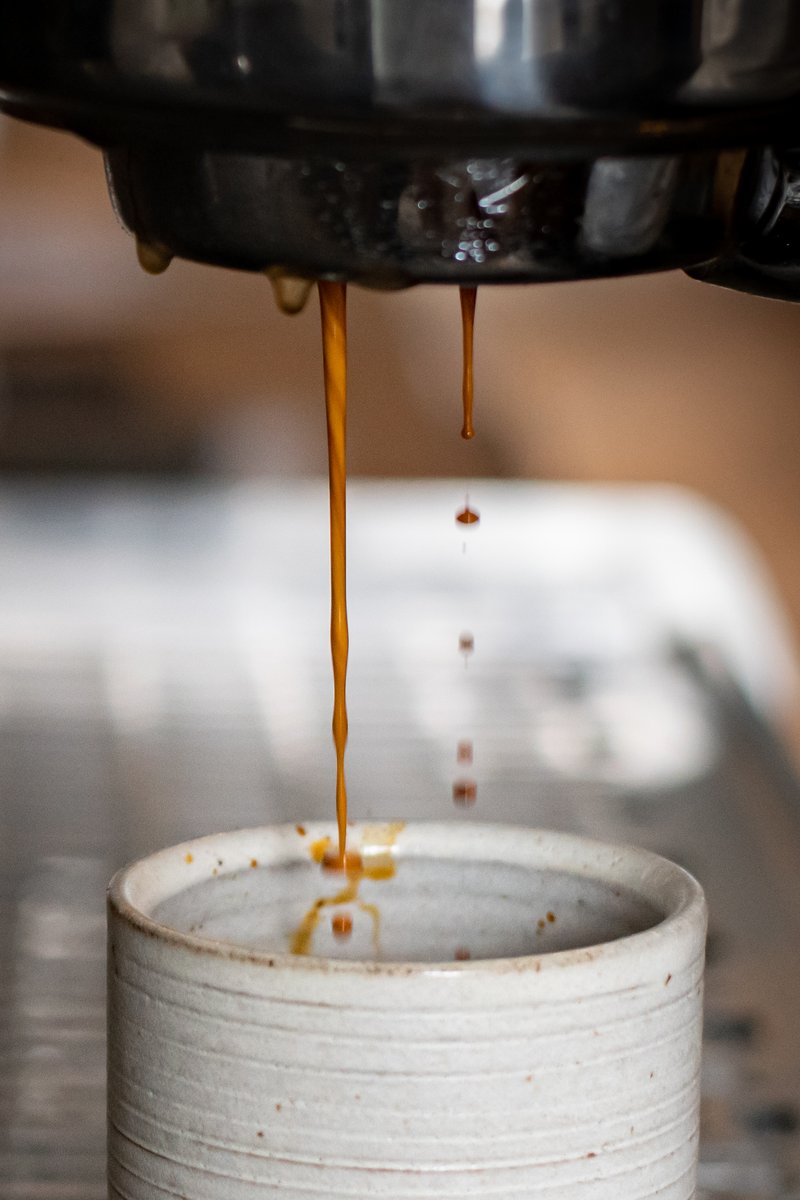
(679, 894)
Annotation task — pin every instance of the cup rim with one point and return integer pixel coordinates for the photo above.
(663, 883)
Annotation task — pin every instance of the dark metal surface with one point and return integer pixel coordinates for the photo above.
(366, 139)
(263, 67)
(393, 223)
(164, 672)
(763, 255)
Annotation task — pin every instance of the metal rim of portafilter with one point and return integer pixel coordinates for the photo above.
(392, 142)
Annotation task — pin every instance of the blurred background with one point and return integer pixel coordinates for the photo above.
(104, 369)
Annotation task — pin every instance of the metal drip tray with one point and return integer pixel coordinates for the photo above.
(164, 672)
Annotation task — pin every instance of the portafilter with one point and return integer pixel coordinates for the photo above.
(391, 142)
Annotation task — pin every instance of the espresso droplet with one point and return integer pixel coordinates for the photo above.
(341, 925)
(466, 643)
(468, 516)
(464, 752)
(465, 792)
(462, 954)
(153, 259)
(290, 291)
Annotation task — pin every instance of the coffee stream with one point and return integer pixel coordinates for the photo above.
(333, 310)
(468, 297)
(465, 790)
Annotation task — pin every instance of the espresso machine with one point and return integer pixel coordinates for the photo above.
(467, 141)
(389, 143)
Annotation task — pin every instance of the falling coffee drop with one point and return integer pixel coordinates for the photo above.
(464, 752)
(466, 643)
(465, 792)
(468, 516)
(462, 954)
(341, 925)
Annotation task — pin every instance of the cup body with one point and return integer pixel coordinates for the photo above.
(560, 1059)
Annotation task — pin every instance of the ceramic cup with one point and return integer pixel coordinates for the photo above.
(515, 1013)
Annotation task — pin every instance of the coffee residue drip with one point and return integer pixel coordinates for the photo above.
(333, 308)
(153, 258)
(468, 297)
(290, 291)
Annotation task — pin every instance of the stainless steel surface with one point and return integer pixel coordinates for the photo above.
(520, 218)
(392, 142)
(164, 672)
(321, 68)
(765, 254)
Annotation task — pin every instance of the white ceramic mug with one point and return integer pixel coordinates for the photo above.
(560, 1059)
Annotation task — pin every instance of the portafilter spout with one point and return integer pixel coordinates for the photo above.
(400, 141)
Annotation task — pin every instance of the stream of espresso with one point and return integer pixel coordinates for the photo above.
(333, 308)
(468, 297)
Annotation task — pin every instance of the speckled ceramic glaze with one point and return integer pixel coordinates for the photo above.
(560, 1059)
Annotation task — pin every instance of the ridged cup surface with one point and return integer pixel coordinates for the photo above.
(237, 1073)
